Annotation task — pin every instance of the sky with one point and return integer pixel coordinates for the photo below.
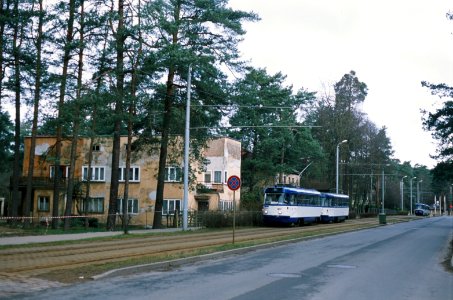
(392, 45)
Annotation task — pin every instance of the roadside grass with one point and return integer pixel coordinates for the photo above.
(9, 230)
(448, 263)
(85, 273)
(108, 238)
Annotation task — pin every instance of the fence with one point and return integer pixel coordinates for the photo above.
(209, 219)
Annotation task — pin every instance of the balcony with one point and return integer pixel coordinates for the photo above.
(211, 188)
(38, 182)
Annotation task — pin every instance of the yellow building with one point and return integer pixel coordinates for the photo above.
(209, 192)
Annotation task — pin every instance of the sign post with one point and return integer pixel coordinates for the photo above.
(234, 183)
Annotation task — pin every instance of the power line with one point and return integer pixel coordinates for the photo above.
(257, 126)
(242, 106)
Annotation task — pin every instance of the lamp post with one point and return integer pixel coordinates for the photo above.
(418, 190)
(402, 192)
(451, 200)
(338, 158)
(382, 216)
(383, 191)
(411, 193)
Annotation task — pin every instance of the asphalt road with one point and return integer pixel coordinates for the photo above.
(400, 261)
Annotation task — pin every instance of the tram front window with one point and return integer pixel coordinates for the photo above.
(273, 198)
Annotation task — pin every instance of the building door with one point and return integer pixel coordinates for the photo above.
(203, 205)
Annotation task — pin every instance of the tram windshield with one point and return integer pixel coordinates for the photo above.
(422, 206)
(274, 198)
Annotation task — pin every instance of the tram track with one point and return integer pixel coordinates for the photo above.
(35, 261)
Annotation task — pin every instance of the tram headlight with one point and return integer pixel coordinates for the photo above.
(265, 211)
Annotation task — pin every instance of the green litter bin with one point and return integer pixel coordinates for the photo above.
(382, 218)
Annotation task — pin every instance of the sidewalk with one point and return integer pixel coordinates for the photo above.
(19, 240)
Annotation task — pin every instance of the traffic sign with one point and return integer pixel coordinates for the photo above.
(234, 182)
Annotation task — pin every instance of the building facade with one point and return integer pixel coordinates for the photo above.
(91, 197)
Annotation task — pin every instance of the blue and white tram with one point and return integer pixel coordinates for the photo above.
(298, 206)
(422, 209)
(335, 207)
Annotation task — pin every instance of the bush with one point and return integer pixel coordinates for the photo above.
(79, 221)
(93, 222)
(221, 219)
(368, 215)
(251, 201)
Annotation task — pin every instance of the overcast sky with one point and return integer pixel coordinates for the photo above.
(392, 45)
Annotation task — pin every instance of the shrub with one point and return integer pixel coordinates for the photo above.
(93, 222)
(220, 219)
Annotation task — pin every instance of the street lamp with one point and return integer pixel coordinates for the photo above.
(382, 216)
(402, 192)
(418, 190)
(411, 193)
(338, 158)
(383, 191)
(451, 200)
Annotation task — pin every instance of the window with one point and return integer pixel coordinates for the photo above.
(170, 205)
(173, 174)
(97, 173)
(217, 176)
(134, 174)
(43, 203)
(132, 206)
(207, 177)
(64, 171)
(94, 205)
(133, 148)
(96, 148)
(225, 205)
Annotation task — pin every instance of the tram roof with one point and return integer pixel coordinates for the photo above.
(292, 190)
(333, 195)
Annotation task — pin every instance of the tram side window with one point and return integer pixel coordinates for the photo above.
(307, 200)
(298, 199)
(290, 199)
(314, 201)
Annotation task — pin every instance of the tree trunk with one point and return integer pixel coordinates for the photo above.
(59, 137)
(3, 12)
(76, 120)
(17, 90)
(37, 96)
(93, 126)
(120, 37)
(157, 223)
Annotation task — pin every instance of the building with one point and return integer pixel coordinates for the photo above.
(208, 192)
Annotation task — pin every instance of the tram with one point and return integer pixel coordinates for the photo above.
(422, 209)
(298, 206)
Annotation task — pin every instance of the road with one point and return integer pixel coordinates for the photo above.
(399, 261)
